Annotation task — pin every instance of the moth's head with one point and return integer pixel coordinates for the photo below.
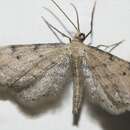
(79, 37)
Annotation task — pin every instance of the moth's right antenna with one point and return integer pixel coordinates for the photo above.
(65, 15)
(91, 23)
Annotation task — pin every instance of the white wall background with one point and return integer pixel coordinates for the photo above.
(21, 23)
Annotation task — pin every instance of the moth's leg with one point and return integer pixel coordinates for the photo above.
(52, 28)
(111, 47)
(59, 20)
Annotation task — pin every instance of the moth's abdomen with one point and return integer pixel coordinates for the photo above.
(77, 87)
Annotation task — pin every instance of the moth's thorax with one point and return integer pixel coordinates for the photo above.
(77, 48)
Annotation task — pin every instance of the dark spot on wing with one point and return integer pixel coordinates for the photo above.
(124, 73)
(128, 66)
(53, 62)
(13, 48)
(36, 47)
(40, 55)
(105, 65)
(18, 57)
(111, 57)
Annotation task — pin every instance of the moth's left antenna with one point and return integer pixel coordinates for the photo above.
(77, 16)
(65, 15)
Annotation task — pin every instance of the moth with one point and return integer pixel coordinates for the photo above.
(36, 73)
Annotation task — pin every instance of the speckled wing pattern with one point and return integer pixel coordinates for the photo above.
(107, 80)
(38, 73)
(33, 73)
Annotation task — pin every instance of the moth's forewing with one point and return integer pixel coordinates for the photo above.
(34, 73)
(107, 80)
